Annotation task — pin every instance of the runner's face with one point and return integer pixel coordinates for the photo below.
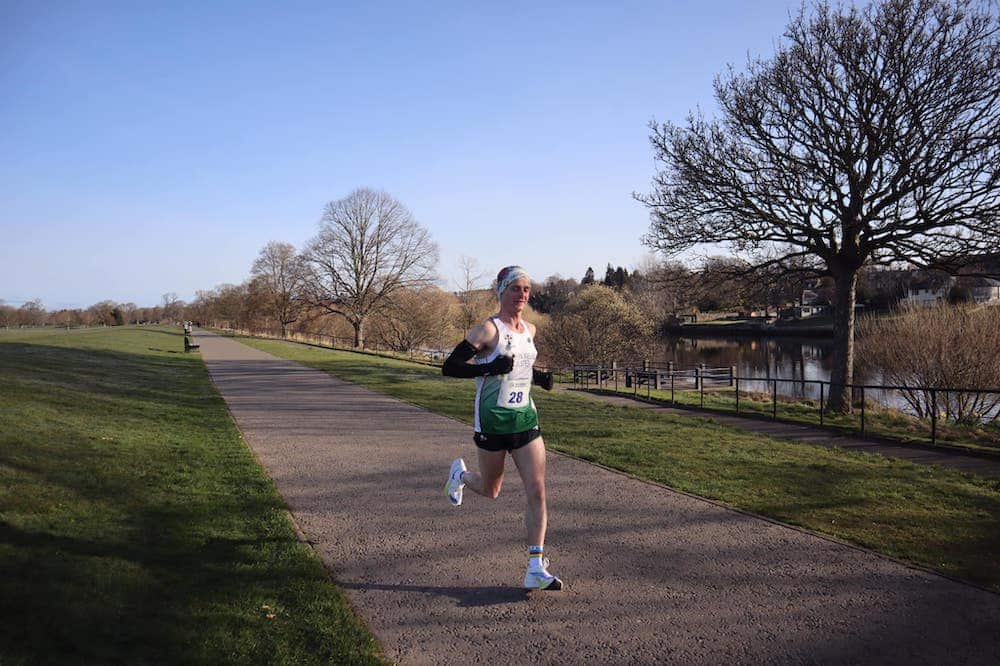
(515, 296)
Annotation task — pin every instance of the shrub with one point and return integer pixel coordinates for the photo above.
(598, 325)
(940, 347)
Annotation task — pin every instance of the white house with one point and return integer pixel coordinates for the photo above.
(984, 290)
(929, 292)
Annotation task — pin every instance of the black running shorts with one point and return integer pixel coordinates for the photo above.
(506, 442)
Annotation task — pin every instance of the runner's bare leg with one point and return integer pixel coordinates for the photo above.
(490, 477)
(530, 461)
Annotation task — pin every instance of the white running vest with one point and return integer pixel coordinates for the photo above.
(503, 402)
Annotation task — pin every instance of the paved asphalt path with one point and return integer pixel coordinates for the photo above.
(653, 575)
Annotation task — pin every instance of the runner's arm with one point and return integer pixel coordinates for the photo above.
(457, 364)
(480, 338)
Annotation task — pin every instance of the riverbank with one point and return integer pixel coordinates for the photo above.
(819, 327)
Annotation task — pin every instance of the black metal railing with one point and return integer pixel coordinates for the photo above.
(673, 379)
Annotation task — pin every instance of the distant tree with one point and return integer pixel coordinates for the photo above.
(475, 302)
(588, 277)
(719, 286)
(128, 311)
(667, 283)
(61, 318)
(148, 314)
(31, 313)
(103, 313)
(871, 136)
(622, 279)
(368, 248)
(257, 305)
(172, 308)
(8, 315)
(223, 306)
(416, 319)
(552, 296)
(598, 326)
(282, 275)
(616, 278)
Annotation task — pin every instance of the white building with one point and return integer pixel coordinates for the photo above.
(984, 290)
(929, 292)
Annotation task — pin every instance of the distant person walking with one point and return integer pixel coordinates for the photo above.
(502, 354)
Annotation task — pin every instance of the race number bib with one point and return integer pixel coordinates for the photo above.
(514, 393)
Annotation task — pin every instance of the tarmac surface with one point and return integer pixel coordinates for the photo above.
(652, 575)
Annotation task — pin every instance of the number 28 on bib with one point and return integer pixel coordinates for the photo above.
(514, 393)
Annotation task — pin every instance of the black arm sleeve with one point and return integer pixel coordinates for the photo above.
(457, 364)
(541, 378)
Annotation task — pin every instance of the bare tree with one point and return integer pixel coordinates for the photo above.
(8, 315)
(475, 301)
(31, 313)
(368, 248)
(664, 289)
(871, 136)
(128, 311)
(282, 274)
(417, 319)
(172, 308)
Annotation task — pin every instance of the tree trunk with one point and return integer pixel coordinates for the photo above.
(843, 341)
(359, 333)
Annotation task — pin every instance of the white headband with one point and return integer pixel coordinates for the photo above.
(509, 275)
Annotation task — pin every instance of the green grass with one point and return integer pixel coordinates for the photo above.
(879, 420)
(931, 516)
(136, 526)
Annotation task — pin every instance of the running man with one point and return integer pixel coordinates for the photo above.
(503, 354)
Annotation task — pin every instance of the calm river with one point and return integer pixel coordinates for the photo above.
(778, 357)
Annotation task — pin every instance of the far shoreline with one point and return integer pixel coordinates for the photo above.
(750, 329)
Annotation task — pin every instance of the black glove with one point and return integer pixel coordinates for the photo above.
(542, 378)
(501, 365)
(457, 364)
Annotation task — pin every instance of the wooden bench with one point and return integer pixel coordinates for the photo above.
(188, 345)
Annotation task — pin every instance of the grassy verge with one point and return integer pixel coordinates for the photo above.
(878, 420)
(136, 526)
(931, 516)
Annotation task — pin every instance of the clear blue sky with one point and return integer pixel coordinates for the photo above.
(156, 147)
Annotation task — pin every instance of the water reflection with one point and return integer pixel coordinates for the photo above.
(796, 359)
(760, 358)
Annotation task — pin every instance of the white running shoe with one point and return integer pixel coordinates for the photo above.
(453, 486)
(539, 578)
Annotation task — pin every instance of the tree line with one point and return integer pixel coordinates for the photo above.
(105, 313)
